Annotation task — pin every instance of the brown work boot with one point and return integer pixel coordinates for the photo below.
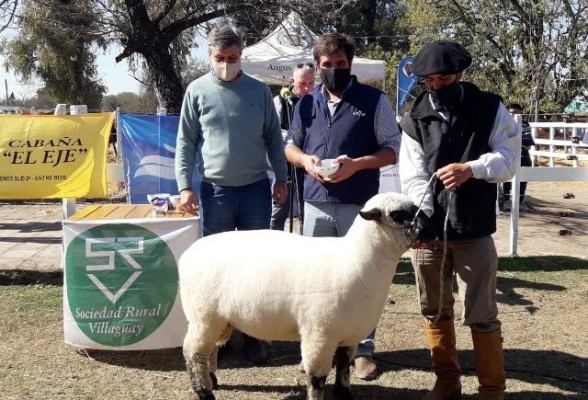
(441, 338)
(444, 390)
(489, 359)
(366, 368)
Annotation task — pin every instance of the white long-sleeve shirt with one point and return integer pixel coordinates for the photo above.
(498, 165)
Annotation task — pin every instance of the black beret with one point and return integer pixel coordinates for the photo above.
(441, 57)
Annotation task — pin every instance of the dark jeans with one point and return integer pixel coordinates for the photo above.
(507, 186)
(226, 208)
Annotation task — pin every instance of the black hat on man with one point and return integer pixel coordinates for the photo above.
(441, 57)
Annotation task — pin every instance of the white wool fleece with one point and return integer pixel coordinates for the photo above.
(276, 286)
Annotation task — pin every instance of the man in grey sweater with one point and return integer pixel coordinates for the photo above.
(229, 124)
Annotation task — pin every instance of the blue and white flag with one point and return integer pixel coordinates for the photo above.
(405, 82)
(149, 148)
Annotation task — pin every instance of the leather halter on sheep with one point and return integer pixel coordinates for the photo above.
(329, 296)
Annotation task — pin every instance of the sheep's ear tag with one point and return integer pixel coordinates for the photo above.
(371, 215)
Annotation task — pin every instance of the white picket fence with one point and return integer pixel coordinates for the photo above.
(562, 145)
(563, 141)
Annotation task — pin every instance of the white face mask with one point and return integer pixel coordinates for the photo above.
(226, 71)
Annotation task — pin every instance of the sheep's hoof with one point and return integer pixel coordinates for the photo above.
(342, 393)
(204, 394)
(214, 381)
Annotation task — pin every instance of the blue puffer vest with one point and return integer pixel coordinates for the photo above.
(350, 131)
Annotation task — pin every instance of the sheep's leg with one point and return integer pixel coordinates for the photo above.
(212, 364)
(201, 385)
(343, 357)
(317, 358)
(199, 344)
(315, 386)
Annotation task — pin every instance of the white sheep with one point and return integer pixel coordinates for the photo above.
(327, 293)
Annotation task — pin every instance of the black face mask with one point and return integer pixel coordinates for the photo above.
(447, 97)
(335, 79)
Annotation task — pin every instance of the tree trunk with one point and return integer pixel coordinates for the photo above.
(370, 10)
(167, 83)
(148, 40)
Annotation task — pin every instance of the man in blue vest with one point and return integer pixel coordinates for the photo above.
(468, 141)
(355, 124)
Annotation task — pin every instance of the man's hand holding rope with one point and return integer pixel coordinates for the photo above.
(453, 175)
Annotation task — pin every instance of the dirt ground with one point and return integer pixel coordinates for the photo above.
(554, 207)
(30, 232)
(542, 295)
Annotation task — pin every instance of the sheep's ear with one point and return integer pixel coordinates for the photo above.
(401, 216)
(374, 214)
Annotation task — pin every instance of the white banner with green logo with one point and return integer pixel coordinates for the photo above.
(121, 282)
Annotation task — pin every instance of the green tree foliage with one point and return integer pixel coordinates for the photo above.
(155, 37)
(48, 49)
(378, 27)
(375, 23)
(381, 33)
(523, 49)
(159, 34)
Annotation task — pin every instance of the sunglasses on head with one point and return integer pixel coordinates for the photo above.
(305, 65)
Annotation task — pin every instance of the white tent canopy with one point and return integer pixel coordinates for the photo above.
(273, 58)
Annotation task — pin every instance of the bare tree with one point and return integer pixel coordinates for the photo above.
(7, 12)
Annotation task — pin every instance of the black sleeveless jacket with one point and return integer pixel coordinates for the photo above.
(472, 209)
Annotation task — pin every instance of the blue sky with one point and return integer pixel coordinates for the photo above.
(115, 76)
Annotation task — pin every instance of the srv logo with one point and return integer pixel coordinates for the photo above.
(124, 253)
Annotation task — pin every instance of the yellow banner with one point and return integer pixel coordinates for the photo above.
(54, 156)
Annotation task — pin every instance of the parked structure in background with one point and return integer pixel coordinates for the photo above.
(11, 110)
(24, 110)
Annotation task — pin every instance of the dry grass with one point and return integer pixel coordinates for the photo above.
(542, 303)
(559, 162)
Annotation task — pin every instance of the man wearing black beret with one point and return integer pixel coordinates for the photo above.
(468, 141)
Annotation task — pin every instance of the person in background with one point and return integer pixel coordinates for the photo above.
(465, 139)
(526, 142)
(302, 83)
(354, 123)
(229, 123)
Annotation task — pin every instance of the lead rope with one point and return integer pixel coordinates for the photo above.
(442, 271)
(445, 224)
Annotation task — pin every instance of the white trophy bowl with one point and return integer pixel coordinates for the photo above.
(327, 168)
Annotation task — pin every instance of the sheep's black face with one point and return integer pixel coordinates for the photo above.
(404, 217)
(393, 209)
